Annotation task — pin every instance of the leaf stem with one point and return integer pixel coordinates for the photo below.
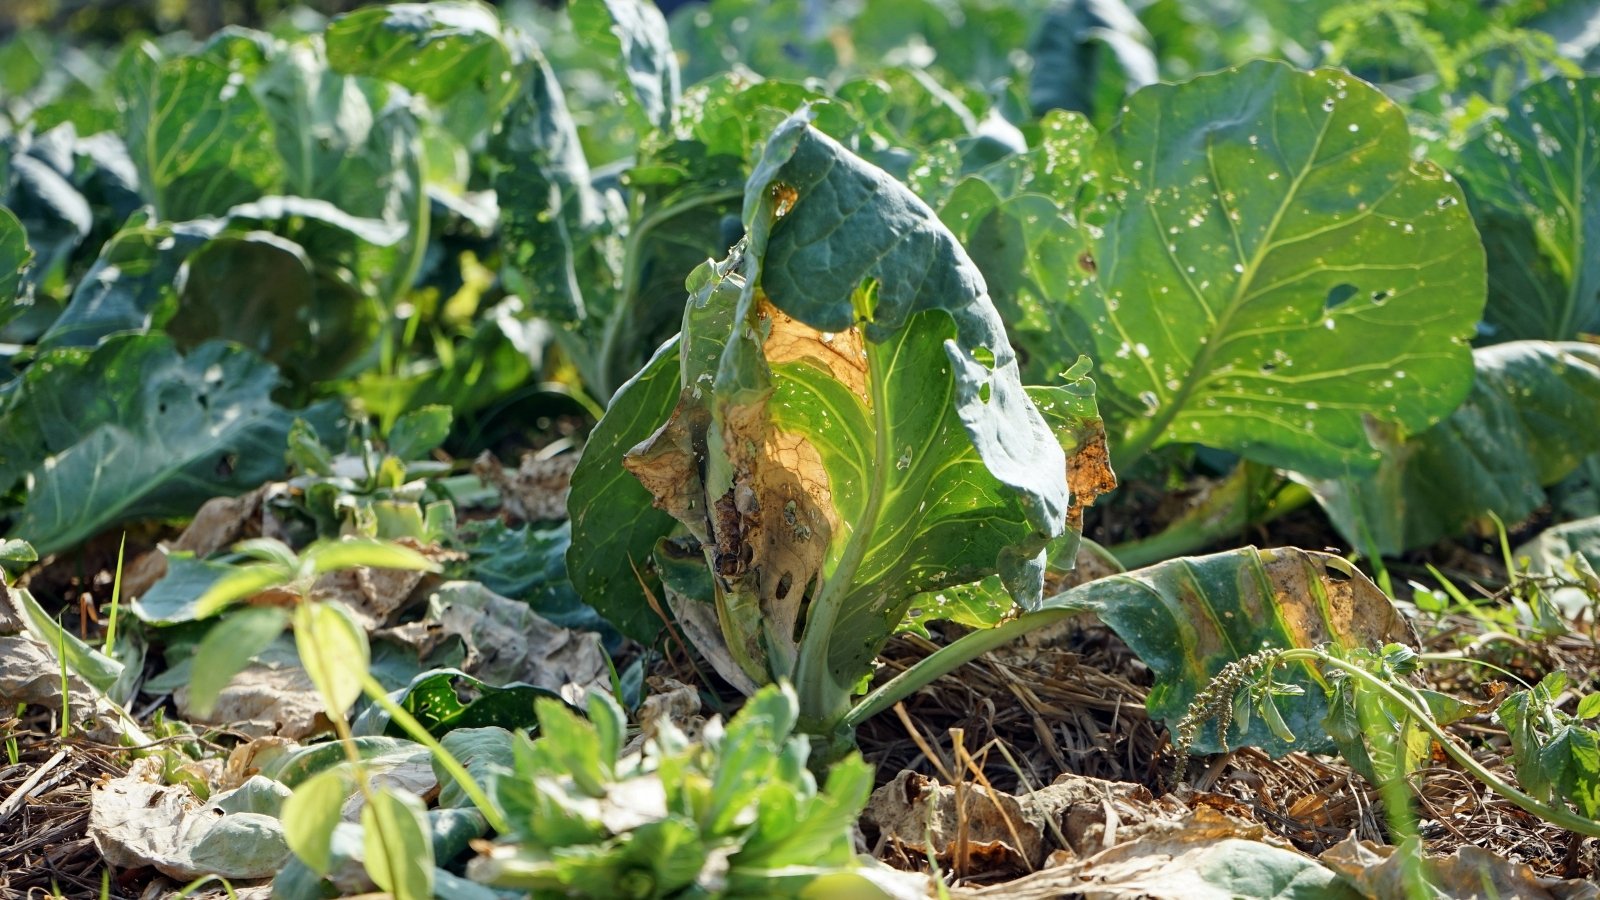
(949, 658)
(823, 700)
(1194, 533)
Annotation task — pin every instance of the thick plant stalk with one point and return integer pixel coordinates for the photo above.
(948, 659)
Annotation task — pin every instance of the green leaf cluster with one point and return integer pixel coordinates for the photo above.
(736, 813)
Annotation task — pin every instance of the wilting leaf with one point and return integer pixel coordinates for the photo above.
(200, 138)
(1536, 172)
(614, 527)
(137, 820)
(1187, 618)
(1273, 267)
(438, 50)
(132, 429)
(1526, 424)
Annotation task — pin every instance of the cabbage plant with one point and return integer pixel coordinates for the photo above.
(840, 427)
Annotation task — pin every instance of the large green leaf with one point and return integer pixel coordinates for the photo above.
(1086, 55)
(341, 139)
(614, 527)
(132, 429)
(1528, 422)
(866, 435)
(291, 300)
(263, 291)
(1012, 217)
(200, 138)
(635, 33)
(552, 215)
(608, 269)
(131, 284)
(1274, 268)
(439, 50)
(1536, 175)
(346, 140)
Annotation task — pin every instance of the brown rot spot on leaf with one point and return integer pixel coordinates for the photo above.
(1086, 262)
(842, 354)
(1089, 474)
(784, 197)
(668, 464)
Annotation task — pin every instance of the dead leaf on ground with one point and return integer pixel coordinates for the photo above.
(536, 491)
(30, 673)
(669, 701)
(1017, 832)
(506, 641)
(266, 699)
(1207, 856)
(377, 596)
(1470, 873)
(220, 523)
(137, 821)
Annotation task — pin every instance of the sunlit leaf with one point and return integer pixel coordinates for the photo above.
(333, 649)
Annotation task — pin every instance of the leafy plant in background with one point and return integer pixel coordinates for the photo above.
(1530, 178)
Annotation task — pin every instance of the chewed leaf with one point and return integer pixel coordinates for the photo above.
(1271, 266)
(1190, 617)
